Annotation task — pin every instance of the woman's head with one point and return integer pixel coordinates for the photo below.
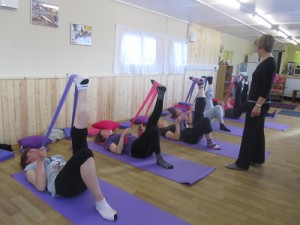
(175, 112)
(28, 156)
(161, 124)
(265, 42)
(103, 135)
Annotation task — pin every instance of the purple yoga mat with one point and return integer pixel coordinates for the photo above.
(184, 171)
(237, 131)
(234, 130)
(282, 105)
(268, 124)
(227, 149)
(80, 210)
(5, 155)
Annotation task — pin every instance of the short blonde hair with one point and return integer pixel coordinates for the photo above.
(266, 42)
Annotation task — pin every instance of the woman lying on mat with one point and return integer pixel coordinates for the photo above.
(142, 146)
(72, 177)
(240, 103)
(188, 128)
(212, 111)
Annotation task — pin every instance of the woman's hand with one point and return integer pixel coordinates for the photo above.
(41, 154)
(255, 111)
(126, 131)
(178, 119)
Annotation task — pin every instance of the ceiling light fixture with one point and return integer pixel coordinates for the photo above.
(262, 21)
(282, 34)
(293, 42)
(256, 15)
(232, 3)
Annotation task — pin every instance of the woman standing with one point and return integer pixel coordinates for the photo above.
(252, 149)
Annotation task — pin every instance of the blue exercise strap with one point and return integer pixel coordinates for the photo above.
(60, 105)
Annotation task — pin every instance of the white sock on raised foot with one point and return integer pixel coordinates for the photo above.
(81, 82)
(106, 211)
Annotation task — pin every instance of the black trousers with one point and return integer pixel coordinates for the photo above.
(252, 147)
(68, 182)
(149, 141)
(201, 124)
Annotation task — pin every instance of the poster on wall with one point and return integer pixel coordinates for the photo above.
(81, 34)
(44, 14)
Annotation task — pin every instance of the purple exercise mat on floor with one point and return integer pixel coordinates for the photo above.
(282, 105)
(80, 210)
(5, 155)
(237, 131)
(268, 124)
(228, 149)
(234, 130)
(185, 171)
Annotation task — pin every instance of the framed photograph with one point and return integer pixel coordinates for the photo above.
(44, 14)
(81, 34)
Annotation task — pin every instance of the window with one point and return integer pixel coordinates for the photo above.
(175, 55)
(139, 52)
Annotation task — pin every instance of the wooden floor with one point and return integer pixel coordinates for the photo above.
(267, 195)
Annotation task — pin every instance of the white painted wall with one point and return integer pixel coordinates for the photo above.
(31, 50)
(240, 49)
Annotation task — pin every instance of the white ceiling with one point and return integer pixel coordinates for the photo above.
(284, 14)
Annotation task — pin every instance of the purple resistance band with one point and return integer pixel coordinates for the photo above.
(189, 95)
(60, 105)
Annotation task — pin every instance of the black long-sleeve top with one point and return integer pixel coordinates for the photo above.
(262, 80)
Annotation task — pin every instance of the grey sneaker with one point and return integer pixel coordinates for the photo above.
(233, 166)
(256, 164)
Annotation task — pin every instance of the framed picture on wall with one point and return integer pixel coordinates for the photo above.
(81, 34)
(44, 14)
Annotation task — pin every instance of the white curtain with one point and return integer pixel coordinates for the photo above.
(138, 52)
(175, 55)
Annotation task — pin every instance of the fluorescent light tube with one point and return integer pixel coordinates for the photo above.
(262, 21)
(282, 34)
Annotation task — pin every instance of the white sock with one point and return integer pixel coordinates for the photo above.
(106, 211)
(81, 82)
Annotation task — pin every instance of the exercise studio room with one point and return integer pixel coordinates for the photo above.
(153, 112)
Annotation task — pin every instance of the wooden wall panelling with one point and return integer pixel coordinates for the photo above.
(205, 50)
(28, 105)
(4, 112)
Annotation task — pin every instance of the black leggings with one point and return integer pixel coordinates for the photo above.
(201, 124)
(149, 141)
(240, 103)
(68, 182)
